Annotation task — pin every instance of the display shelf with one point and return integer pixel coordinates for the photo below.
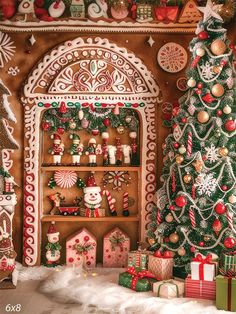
(87, 168)
(62, 218)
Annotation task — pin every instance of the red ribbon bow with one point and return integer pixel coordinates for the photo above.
(202, 260)
(138, 275)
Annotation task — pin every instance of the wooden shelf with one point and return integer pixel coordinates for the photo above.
(79, 218)
(87, 168)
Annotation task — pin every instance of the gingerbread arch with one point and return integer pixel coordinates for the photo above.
(90, 71)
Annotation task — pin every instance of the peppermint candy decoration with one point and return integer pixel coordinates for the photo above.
(65, 179)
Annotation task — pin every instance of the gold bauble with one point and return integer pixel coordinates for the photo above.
(217, 90)
(181, 251)
(187, 178)
(227, 109)
(218, 47)
(227, 10)
(151, 241)
(174, 238)
(203, 116)
(179, 159)
(169, 218)
(232, 199)
(223, 151)
(217, 69)
(207, 238)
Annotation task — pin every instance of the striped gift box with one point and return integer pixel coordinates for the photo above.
(139, 258)
(200, 289)
(229, 261)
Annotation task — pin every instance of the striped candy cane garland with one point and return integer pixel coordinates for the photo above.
(192, 218)
(125, 204)
(111, 202)
(189, 144)
(229, 217)
(158, 216)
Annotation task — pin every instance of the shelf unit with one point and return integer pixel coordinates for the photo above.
(86, 168)
(115, 219)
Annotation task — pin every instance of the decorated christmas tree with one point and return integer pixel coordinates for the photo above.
(196, 206)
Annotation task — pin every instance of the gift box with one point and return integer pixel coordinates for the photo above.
(203, 268)
(81, 249)
(229, 261)
(139, 258)
(166, 14)
(226, 292)
(161, 267)
(136, 279)
(200, 289)
(169, 289)
(116, 245)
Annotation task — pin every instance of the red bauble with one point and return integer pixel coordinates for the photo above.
(230, 125)
(176, 145)
(220, 208)
(224, 188)
(60, 130)
(95, 131)
(46, 126)
(181, 201)
(208, 98)
(200, 85)
(219, 112)
(201, 243)
(106, 122)
(229, 243)
(223, 62)
(192, 249)
(63, 108)
(204, 157)
(172, 207)
(168, 254)
(217, 226)
(158, 253)
(198, 91)
(184, 120)
(203, 35)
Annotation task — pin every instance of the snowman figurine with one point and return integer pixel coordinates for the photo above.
(53, 247)
(92, 199)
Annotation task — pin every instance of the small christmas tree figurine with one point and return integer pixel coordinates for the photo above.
(57, 148)
(76, 149)
(196, 205)
(53, 247)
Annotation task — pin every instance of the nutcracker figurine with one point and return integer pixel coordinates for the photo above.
(53, 247)
(76, 149)
(134, 149)
(92, 151)
(126, 152)
(57, 148)
(105, 137)
(112, 154)
(118, 152)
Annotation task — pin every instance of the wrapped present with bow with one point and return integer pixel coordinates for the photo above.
(136, 279)
(202, 268)
(165, 12)
(161, 264)
(229, 260)
(226, 290)
(139, 258)
(169, 289)
(116, 245)
(200, 289)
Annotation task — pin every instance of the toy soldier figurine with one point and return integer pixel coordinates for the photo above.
(134, 149)
(57, 148)
(126, 151)
(76, 149)
(92, 151)
(105, 137)
(118, 152)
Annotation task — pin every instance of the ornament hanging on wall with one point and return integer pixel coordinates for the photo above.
(172, 57)
(117, 179)
(181, 84)
(151, 41)
(65, 178)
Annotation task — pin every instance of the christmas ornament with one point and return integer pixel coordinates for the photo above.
(106, 122)
(92, 151)
(119, 9)
(217, 90)
(95, 132)
(198, 165)
(187, 178)
(151, 241)
(191, 82)
(80, 114)
(230, 219)
(120, 129)
(192, 249)
(232, 199)
(229, 243)
(203, 116)
(224, 188)
(181, 84)
(60, 130)
(117, 179)
(200, 52)
(223, 151)
(84, 123)
(200, 85)
(203, 35)
(219, 113)
(207, 238)
(116, 110)
(125, 204)
(111, 202)
(76, 149)
(180, 201)
(230, 125)
(192, 218)
(189, 144)
(174, 238)
(217, 69)
(220, 208)
(205, 184)
(179, 159)
(46, 126)
(210, 11)
(227, 10)
(65, 178)
(227, 109)
(172, 207)
(201, 243)
(181, 251)
(218, 47)
(217, 226)
(57, 148)
(176, 145)
(72, 125)
(63, 109)
(169, 218)
(182, 149)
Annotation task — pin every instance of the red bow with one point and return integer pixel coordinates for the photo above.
(207, 260)
(138, 275)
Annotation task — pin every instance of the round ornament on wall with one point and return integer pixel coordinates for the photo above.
(172, 57)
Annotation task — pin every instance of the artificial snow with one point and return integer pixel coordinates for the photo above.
(98, 289)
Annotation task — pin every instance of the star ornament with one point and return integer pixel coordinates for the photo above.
(211, 10)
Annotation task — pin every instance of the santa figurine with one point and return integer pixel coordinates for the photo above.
(119, 152)
(57, 148)
(53, 247)
(76, 149)
(126, 152)
(105, 137)
(92, 199)
(92, 151)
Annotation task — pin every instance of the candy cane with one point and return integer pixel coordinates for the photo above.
(173, 185)
(229, 217)
(192, 218)
(125, 202)
(158, 216)
(193, 191)
(189, 144)
(111, 202)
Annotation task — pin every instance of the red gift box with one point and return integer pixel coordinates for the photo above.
(200, 289)
(166, 14)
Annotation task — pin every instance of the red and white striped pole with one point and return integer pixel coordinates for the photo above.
(126, 204)
(111, 202)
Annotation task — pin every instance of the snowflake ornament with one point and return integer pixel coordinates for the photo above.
(162, 199)
(205, 184)
(203, 224)
(117, 178)
(212, 153)
(207, 70)
(202, 201)
(177, 133)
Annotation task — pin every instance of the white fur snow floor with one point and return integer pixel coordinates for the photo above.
(76, 291)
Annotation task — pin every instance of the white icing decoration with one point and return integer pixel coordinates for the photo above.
(7, 49)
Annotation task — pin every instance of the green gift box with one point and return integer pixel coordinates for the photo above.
(229, 261)
(138, 258)
(137, 280)
(226, 293)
